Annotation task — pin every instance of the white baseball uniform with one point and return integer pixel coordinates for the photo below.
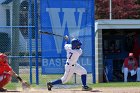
(71, 65)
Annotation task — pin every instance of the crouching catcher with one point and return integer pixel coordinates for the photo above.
(6, 73)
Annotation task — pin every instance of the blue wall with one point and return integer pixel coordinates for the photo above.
(65, 17)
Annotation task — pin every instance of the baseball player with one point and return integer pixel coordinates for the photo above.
(6, 72)
(131, 65)
(73, 51)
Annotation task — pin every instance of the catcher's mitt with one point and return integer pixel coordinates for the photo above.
(25, 85)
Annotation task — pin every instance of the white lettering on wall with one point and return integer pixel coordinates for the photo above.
(60, 62)
(68, 20)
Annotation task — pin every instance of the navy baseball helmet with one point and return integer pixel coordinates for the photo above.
(76, 44)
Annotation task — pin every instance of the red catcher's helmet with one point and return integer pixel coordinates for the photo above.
(3, 58)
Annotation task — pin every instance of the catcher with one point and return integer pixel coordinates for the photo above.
(6, 73)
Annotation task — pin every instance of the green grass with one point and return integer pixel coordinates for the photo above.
(46, 78)
(13, 86)
(42, 81)
(117, 84)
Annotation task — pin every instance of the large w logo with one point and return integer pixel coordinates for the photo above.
(62, 18)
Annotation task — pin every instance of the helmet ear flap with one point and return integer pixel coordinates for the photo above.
(76, 44)
(3, 58)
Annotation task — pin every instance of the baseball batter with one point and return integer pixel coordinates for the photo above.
(73, 53)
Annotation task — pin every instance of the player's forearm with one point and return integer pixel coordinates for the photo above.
(17, 76)
(14, 73)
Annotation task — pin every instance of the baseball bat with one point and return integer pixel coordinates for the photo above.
(106, 77)
(49, 33)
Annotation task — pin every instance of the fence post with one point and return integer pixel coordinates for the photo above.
(15, 37)
(30, 37)
(36, 39)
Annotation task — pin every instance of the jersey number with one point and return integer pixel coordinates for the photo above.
(70, 55)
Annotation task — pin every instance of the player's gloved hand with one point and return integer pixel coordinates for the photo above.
(25, 85)
(66, 37)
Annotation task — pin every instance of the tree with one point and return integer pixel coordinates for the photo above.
(121, 9)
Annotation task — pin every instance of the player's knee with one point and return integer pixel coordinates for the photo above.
(84, 72)
(6, 79)
(64, 81)
(125, 69)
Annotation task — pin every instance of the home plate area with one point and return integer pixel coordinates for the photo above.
(77, 89)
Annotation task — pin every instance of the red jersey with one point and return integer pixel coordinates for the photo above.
(130, 64)
(4, 67)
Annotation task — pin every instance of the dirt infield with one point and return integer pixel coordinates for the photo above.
(95, 90)
(77, 90)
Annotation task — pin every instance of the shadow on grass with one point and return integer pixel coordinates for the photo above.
(89, 91)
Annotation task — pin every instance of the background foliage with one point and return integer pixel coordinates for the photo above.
(121, 9)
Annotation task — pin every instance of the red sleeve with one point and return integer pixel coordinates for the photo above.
(7, 67)
(136, 63)
(4, 67)
(126, 62)
(1, 70)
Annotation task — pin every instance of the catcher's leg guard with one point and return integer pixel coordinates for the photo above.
(6, 79)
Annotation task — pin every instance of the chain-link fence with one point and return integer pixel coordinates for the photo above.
(72, 18)
(19, 40)
(18, 37)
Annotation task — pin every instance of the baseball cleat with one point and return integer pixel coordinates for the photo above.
(86, 88)
(3, 90)
(49, 85)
